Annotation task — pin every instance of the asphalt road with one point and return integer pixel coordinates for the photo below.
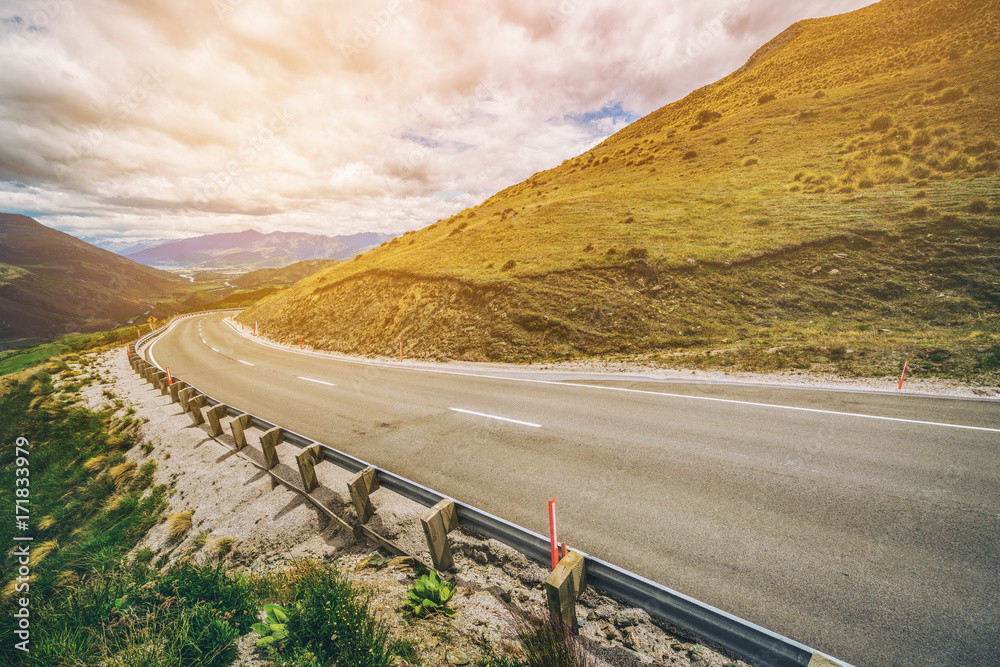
(864, 525)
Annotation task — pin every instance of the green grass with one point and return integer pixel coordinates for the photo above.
(12, 361)
(331, 618)
(83, 518)
(132, 615)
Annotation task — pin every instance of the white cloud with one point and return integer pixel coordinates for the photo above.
(181, 117)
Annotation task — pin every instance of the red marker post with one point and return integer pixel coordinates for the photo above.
(300, 342)
(170, 378)
(903, 376)
(552, 533)
(401, 350)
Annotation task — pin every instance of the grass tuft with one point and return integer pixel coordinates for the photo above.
(122, 475)
(178, 525)
(546, 641)
(40, 552)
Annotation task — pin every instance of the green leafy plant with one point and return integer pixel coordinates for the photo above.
(274, 631)
(430, 595)
(333, 619)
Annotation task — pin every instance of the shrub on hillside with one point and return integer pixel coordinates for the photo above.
(978, 205)
(981, 147)
(705, 116)
(766, 97)
(881, 123)
(990, 164)
(955, 163)
(951, 95)
(690, 155)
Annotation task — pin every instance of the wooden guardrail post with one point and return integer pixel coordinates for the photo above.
(269, 441)
(564, 585)
(361, 487)
(163, 386)
(307, 460)
(156, 377)
(174, 390)
(195, 404)
(441, 520)
(238, 427)
(184, 396)
(215, 415)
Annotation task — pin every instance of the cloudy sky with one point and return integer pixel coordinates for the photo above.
(172, 118)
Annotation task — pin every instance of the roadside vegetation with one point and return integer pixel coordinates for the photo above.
(838, 185)
(94, 599)
(12, 361)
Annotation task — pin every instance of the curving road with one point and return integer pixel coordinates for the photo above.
(864, 525)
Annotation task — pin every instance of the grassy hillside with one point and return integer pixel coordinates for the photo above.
(52, 284)
(844, 181)
(12, 361)
(284, 276)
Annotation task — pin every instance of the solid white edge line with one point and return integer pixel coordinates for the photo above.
(634, 391)
(214, 349)
(244, 362)
(503, 419)
(316, 381)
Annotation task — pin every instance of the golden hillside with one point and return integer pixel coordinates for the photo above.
(715, 224)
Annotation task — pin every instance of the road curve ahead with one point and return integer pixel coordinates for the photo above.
(864, 525)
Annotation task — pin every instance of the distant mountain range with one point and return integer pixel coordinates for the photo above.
(52, 283)
(254, 250)
(124, 247)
